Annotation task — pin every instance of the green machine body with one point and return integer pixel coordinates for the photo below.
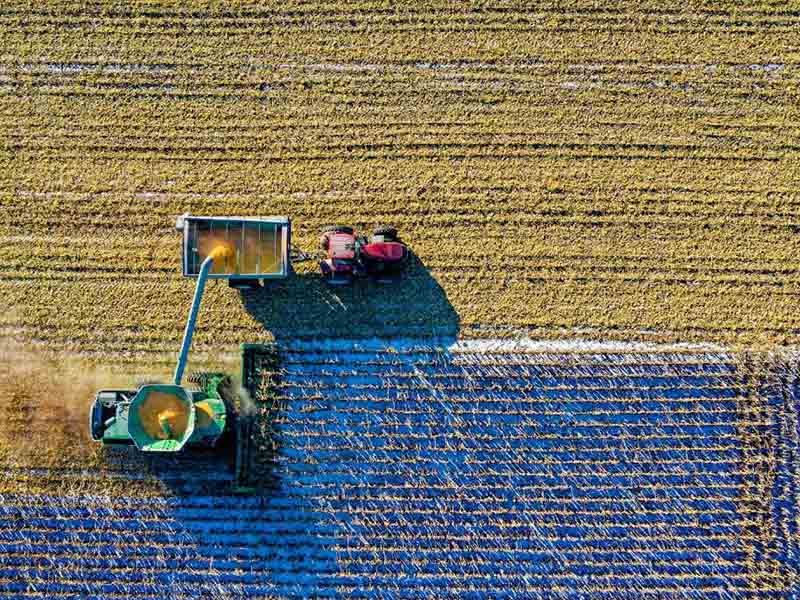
(162, 417)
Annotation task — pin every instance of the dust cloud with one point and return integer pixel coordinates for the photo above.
(45, 402)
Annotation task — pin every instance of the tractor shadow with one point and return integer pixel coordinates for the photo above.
(303, 306)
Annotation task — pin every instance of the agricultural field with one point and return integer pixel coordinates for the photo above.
(630, 172)
(480, 468)
(586, 381)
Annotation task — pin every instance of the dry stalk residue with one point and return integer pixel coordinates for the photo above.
(44, 407)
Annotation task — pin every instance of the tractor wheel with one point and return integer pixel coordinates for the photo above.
(338, 229)
(388, 232)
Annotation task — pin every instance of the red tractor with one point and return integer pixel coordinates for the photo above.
(349, 256)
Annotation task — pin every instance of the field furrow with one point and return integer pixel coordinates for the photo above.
(562, 172)
(630, 169)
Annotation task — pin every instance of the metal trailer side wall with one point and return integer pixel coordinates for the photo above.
(260, 246)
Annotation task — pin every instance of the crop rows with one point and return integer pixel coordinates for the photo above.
(624, 172)
(400, 470)
(629, 170)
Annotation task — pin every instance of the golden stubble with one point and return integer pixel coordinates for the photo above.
(44, 407)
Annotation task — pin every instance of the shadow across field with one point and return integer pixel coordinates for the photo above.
(305, 306)
(301, 306)
(395, 453)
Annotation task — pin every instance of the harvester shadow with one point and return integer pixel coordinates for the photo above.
(304, 306)
(190, 472)
(185, 473)
(212, 471)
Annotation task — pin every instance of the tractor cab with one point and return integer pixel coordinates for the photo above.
(342, 246)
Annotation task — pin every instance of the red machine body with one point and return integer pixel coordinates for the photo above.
(348, 255)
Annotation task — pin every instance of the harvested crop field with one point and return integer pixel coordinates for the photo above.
(630, 170)
(627, 172)
(483, 468)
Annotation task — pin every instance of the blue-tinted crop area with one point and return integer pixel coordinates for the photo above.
(413, 472)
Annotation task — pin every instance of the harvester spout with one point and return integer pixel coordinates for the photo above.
(218, 252)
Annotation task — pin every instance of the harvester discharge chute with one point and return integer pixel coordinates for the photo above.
(171, 417)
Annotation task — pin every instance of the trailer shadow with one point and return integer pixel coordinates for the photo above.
(212, 471)
(304, 306)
